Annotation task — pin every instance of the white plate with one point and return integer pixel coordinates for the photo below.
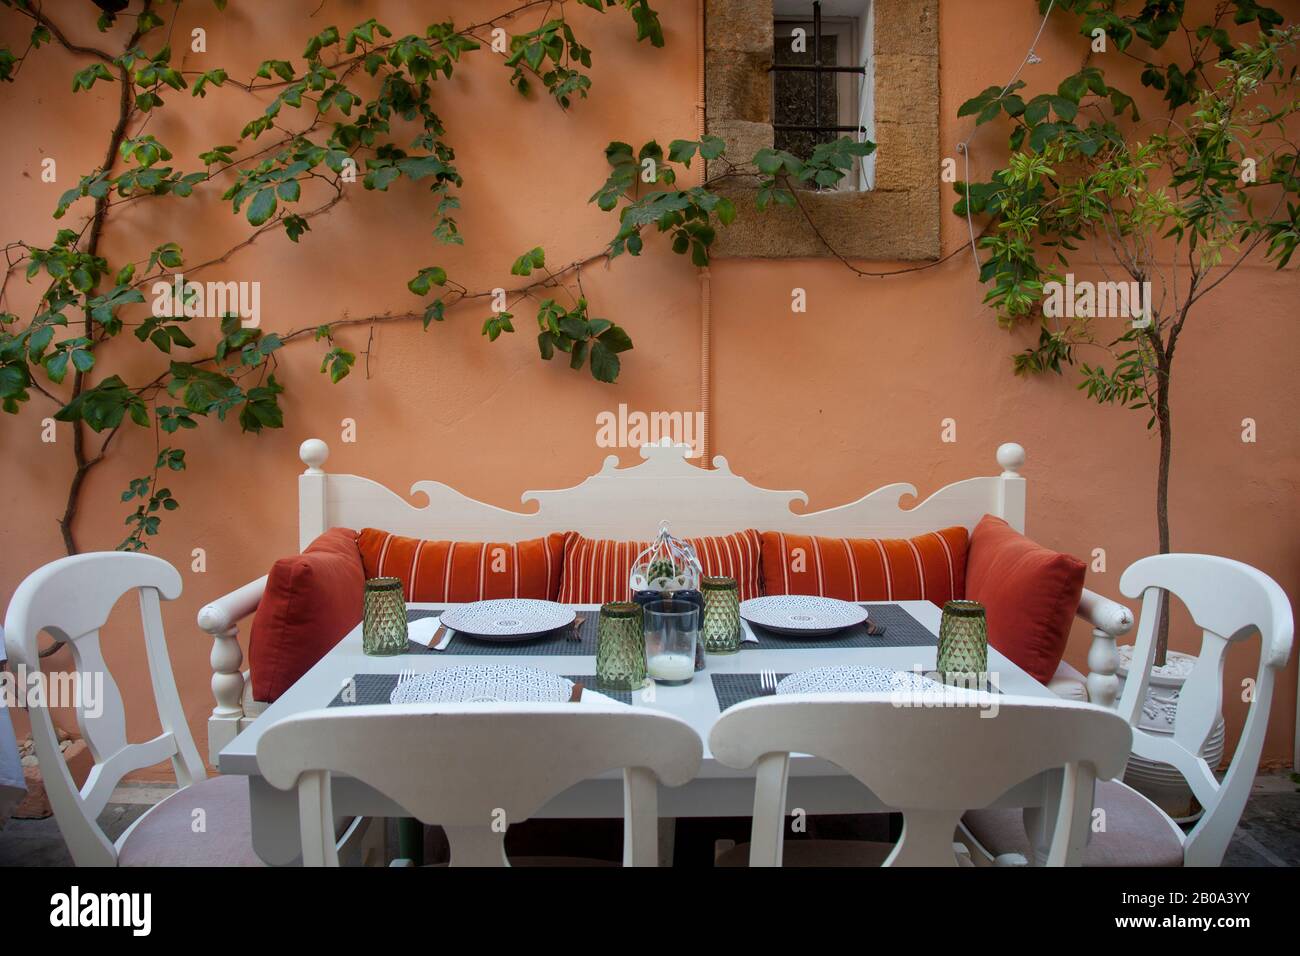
(489, 683)
(842, 679)
(801, 614)
(508, 619)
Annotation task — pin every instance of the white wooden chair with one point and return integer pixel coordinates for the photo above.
(1230, 602)
(932, 763)
(206, 822)
(475, 769)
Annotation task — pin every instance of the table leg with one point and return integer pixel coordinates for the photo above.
(1041, 820)
(410, 840)
(274, 817)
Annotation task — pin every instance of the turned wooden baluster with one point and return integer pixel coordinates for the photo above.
(1111, 621)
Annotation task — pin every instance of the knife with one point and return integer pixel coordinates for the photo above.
(442, 637)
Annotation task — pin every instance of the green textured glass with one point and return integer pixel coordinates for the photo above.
(620, 647)
(383, 628)
(720, 630)
(963, 656)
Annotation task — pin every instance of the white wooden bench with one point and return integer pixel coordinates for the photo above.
(629, 503)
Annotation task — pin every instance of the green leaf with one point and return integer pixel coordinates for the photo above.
(262, 207)
(56, 366)
(533, 259)
(605, 364)
(768, 161)
(615, 339)
(546, 344)
(426, 278)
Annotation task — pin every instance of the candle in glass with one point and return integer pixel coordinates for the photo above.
(671, 631)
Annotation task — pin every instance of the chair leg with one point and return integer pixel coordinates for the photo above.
(667, 840)
(410, 840)
(374, 846)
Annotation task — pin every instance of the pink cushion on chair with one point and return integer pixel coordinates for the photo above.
(310, 603)
(1068, 684)
(165, 835)
(1030, 595)
(1136, 834)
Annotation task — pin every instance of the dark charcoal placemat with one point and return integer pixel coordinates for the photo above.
(552, 643)
(378, 688)
(732, 689)
(901, 630)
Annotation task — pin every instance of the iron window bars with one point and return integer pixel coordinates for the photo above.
(818, 69)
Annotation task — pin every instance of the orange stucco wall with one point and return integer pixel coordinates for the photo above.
(836, 401)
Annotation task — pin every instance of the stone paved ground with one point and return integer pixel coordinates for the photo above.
(1268, 835)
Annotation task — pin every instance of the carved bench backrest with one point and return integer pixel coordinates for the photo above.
(630, 503)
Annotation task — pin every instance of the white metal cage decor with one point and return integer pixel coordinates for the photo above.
(669, 564)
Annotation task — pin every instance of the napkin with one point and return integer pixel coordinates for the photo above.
(422, 631)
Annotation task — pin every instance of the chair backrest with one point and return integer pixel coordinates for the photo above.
(1230, 602)
(931, 763)
(476, 768)
(71, 599)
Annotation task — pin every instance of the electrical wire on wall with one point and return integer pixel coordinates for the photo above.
(706, 316)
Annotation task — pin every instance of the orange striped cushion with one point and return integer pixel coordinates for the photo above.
(596, 571)
(929, 567)
(433, 571)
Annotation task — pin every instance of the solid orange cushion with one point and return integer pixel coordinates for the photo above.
(433, 571)
(597, 571)
(310, 603)
(1030, 595)
(929, 567)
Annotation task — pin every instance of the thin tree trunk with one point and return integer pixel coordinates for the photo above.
(1162, 498)
(85, 462)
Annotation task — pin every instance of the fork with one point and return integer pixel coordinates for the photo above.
(405, 677)
(575, 630)
(767, 681)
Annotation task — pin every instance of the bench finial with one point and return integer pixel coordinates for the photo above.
(1012, 458)
(313, 453)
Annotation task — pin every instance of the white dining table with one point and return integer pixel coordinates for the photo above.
(816, 786)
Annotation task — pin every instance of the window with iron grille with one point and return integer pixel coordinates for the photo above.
(878, 76)
(821, 78)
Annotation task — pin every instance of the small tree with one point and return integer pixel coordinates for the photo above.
(1179, 203)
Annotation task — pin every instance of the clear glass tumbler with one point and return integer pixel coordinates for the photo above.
(671, 631)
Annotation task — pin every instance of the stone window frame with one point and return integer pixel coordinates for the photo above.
(899, 218)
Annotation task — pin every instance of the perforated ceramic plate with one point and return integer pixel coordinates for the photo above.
(853, 680)
(507, 619)
(490, 683)
(802, 614)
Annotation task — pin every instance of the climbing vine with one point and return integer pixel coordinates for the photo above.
(330, 121)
